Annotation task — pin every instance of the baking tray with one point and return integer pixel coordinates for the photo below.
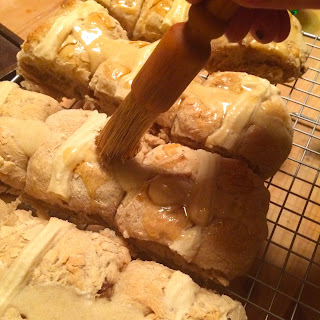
(9, 47)
(284, 282)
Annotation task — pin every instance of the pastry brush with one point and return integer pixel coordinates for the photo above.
(178, 58)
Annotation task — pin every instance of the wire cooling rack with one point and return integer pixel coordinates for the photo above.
(284, 282)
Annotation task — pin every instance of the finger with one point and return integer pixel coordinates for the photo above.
(284, 26)
(265, 26)
(239, 25)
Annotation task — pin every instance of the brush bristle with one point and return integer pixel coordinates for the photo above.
(119, 139)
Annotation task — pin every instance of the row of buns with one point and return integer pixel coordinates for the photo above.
(233, 114)
(63, 57)
(191, 209)
(277, 62)
(49, 269)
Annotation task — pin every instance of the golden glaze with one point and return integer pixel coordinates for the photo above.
(162, 222)
(238, 105)
(79, 147)
(87, 39)
(161, 7)
(172, 156)
(129, 7)
(165, 223)
(169, 190)
(87, 170)
(130, 175)
(200, 206)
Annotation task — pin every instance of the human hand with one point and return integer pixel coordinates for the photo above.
(265, 25)
(266, 20)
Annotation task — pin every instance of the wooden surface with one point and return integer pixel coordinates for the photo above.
(294, 222)
(23, 16)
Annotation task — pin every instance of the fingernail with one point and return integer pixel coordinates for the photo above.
(260, 34)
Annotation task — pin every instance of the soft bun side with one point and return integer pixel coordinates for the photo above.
(22, 130)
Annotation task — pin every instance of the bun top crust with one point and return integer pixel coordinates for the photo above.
(193, 189)
(60, 57)
(22, 129)
(234, 114)
(277, 62)
(22, 104)
(126, 12)
(51, 269)
(210, 210)
(74, 35)
(158, 16)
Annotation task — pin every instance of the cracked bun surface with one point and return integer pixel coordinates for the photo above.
(192, 203)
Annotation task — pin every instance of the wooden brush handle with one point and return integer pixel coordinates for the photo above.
(180, 55)
(177, 59)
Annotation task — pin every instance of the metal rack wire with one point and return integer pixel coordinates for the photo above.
(284, 283)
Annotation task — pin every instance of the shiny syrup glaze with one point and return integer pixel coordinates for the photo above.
(88, 170)
(162, 222)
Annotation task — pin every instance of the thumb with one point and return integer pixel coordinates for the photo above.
(276, 4)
